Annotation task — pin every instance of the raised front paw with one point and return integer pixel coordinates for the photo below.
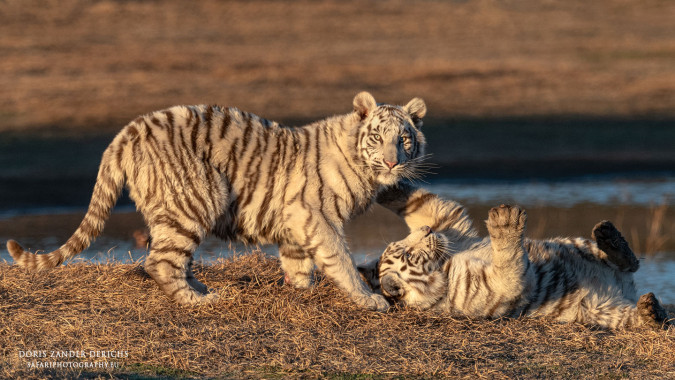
(506, 222)
(372, 302)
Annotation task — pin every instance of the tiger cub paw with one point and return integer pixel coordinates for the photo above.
(610, 241)
(211, 297)
(375, 302)
(298, 280)
(651, 313)
(193, 298)
(506, 222)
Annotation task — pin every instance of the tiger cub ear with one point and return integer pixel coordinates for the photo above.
(417, 109)
(364, 104)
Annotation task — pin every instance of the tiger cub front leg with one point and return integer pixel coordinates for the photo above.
(506, 225)
(335, 262)
(297, 265)
(329, 250)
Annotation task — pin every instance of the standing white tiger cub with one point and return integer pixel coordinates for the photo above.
(194, 170)
(568, 280)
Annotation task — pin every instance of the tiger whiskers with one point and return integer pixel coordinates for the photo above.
(415, 169)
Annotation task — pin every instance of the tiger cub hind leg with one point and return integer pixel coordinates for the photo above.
(651, 313)
(170, 265)
(192, 280)
(610, 241)
(297, 266)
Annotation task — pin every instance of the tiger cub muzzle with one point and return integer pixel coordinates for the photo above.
(407, 264)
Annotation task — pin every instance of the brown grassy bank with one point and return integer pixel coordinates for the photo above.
(263, 329)
(80, 64)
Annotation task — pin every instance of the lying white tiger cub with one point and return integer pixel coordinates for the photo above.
(568, 280)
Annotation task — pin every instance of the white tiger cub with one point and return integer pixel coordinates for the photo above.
(567, 280)
(195, 170)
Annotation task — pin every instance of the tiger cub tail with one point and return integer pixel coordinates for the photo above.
(109, 184)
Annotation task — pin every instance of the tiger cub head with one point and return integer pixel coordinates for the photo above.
(410, 270)
(390, 140)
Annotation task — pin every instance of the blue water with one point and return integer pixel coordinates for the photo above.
(562, 194)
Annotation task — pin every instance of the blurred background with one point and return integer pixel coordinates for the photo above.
(567, 108)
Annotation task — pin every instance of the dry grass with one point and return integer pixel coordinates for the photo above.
(657, 238)
(263, 329)
(79, 64)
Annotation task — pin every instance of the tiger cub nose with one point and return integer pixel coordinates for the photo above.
(427, 230)
(390, 164)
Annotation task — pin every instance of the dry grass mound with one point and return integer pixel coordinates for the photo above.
(261, 328)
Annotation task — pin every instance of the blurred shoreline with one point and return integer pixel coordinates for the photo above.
(57, 167)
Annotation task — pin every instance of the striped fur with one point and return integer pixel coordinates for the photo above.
(567, 280)
(195, 170)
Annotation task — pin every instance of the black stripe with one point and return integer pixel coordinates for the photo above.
(356, 173)
(167, 261)
(195, 128)
(171, 126)
(535, 300)
(304, 167)
(270, 184)
(180, 229)
(454, 294)
(207, 139)
(226, 123)
(467, 299)
(292, 252)
(485, 280)
(233, 163)
(191, 184)
(418, 202)
(137, 157)
(183, 251)
(290, 163)
(180, 202)
(247, 131)
(552, 283)
(319, 176)
(120, 151)
(257, 155)
(494, 307)
(352, 196)
(154, 120)
(169, 118)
